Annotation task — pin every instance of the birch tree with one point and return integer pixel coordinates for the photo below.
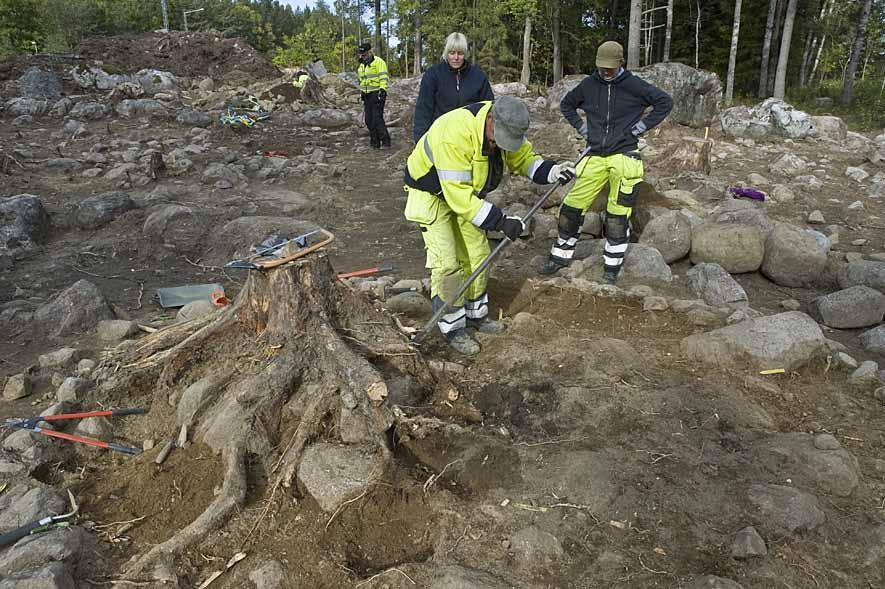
(635, 34)
(378, 27)
(859, 39)
(780, 80)
(766, 49)
(557, 44)
(732, 56)
(526, 73)
(668, 35)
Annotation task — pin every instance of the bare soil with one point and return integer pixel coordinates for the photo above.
(583, 421)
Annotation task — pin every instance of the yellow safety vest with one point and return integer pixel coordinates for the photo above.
(449, 161)
(300, 81)
(373, 77)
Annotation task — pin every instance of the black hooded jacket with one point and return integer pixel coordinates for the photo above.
(444, 89)
(615, 111)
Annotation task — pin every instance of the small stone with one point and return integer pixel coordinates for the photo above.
(94, 427)
(148, 445)
(816, 217)
(748, 543)
(791, 304)
(826, 442)
(270, 575)
(59, 359)
(85, 367)
(879, 395)
(702, 318)
(71, 389)
(17, 386)
(867, 374)
(859, 242)
(655, 303)
(116, 330)
(856, 206)
(845, 360)
(857, 174)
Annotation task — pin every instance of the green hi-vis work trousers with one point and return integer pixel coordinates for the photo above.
(622, 173)
(455, 248)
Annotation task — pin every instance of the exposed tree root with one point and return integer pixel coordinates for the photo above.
(291, 361)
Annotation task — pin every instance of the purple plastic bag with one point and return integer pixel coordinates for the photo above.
(750, 193)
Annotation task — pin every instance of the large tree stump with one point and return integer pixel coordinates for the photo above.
(294, 339)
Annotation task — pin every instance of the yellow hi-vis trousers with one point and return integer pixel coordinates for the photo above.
(622, 173)
(455, 248)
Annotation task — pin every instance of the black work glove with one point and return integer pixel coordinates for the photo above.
(363, 96)
(382, 94)
(511, 227)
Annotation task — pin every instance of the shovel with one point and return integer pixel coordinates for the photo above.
(421, 335)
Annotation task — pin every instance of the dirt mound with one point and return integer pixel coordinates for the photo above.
(183, 54)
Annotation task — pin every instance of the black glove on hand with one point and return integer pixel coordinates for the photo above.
(363, 96)
(382, 95)
(511, 227)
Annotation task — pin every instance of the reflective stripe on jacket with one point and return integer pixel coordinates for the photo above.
(373, 77)
(449, 161)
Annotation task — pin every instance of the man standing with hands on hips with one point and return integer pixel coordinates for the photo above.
(373, 90)
(615, 102)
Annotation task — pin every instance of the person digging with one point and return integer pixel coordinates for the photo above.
(614, 101)
(455, 164)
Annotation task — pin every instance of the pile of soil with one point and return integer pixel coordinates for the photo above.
(183, 54)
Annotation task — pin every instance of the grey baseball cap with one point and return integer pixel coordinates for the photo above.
(511, 122)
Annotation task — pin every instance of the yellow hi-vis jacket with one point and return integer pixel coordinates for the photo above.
(373, 77)
(451, 162)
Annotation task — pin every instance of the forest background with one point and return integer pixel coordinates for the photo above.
(830, 44)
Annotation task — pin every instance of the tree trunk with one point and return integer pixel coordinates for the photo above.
(810, 48)
(732, 56)
(780, 81)
(775, 41)
(557, 45)
(635, 34)
(340, 7)
(298, 358)
(416, 65)
(378, 27)
(766, 50)
(526, 74)
(387, 36)
(697, 37)
(859, 40)
(612, 16)
(806, 58)
(669, 33)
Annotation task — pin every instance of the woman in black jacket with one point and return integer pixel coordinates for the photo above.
(450, 84)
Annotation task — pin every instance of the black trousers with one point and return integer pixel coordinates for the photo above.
(373, 108)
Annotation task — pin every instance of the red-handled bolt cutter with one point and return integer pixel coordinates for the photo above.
(31, 424)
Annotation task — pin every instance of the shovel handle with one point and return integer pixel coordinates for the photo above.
(428, 327)
(274, 263)
(17, 534)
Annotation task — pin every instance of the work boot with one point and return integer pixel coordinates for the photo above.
(489, 326)
(462, 342)
(610, 276)
(551, 266)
